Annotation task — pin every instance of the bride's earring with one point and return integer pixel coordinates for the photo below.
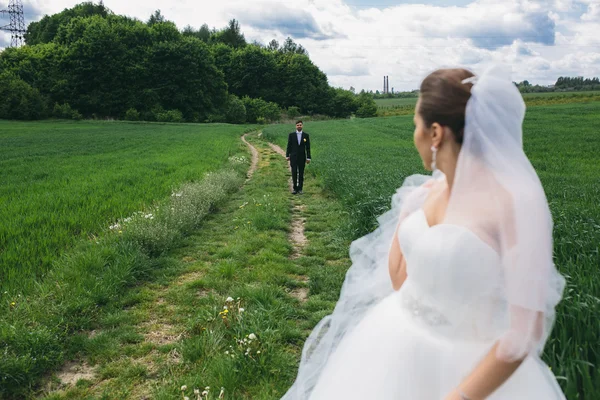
(433, 157)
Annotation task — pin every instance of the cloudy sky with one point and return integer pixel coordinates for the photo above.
(357, 42)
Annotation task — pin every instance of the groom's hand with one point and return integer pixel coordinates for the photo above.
(287, 158)
(308, 161)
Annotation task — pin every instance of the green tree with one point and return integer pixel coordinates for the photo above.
(46, 29)
(236, 111)
(343, 104)
(156, 18)
(231, 35)
(367, 107)
(19, 99)
(183, 75)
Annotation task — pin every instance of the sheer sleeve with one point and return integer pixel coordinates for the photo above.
(533, 286)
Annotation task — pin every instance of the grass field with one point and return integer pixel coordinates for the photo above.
(364, 161)
(532, 99)
(61, 182)
(144, 322)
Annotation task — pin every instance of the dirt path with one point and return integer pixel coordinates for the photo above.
(254, 164)
(297, 235)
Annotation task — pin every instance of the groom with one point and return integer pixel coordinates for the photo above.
(298, 153)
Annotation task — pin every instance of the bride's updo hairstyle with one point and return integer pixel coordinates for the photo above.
(443, 99)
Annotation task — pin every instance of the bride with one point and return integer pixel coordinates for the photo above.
(453, 296)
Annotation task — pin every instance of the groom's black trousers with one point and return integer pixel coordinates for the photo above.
(297, 172)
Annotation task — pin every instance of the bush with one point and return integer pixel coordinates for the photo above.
(19, 100)
(76, 115)
(65, 111)
(256, 108)
(293, 112)
(132, 115)
(236, 111)
(170, 116)
(367, 111)
(367, 107)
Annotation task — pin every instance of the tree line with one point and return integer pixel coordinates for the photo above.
(87, 62)
(563, 84)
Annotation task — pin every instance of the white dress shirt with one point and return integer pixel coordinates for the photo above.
(299, 136)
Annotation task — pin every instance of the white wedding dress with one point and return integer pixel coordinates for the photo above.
(419, 342)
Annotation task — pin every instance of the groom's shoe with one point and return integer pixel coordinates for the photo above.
(300, 191)
(294, 191)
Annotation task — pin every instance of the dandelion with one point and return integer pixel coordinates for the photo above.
(242, 310)
(229, 299)
(196, 391)
(183, 388)
(186, 398)
(227, 352)
(120, 232)
(222, 394)
(258, 352)
(205, 393)
(12, 304)
(252, 336)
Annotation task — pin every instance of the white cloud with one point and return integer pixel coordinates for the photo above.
(541, 39)
(592, 13)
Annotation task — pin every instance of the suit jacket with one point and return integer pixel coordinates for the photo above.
(295, 151)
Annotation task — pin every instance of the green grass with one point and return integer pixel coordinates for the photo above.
(63, 182)
(91, 284)
(386, 103)
(364, 161)
(562, 94)
(406, 106)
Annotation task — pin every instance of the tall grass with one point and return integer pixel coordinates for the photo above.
(62, 182)
(41, 330)
(364, 161)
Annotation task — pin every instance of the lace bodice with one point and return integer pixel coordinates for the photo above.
(455, 281)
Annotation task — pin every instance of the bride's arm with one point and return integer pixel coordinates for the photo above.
(397, 263)
(489, 375)
(493, 371)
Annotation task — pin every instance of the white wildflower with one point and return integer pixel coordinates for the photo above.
(252, 336)
(183, 388)
(196, 391)
(242, 310)
(229, 299)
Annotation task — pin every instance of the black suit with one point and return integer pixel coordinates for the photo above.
(298, 154)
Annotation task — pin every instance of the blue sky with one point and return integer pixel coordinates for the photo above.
(357, 42)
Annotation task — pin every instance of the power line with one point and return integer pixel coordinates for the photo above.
(17, 23)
